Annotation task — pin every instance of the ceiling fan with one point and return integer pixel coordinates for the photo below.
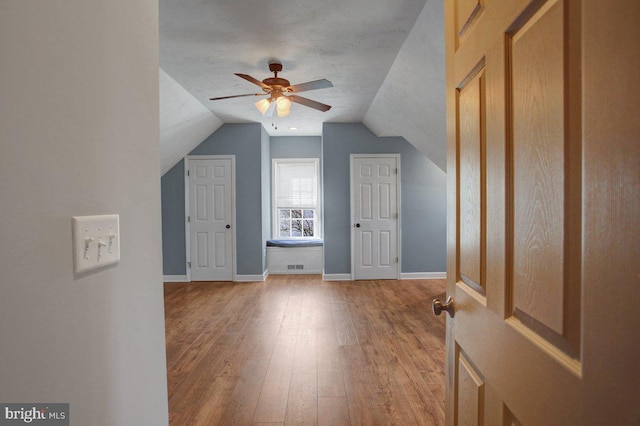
(279, 92)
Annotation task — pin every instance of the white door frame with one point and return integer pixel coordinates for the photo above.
(352, 159)
(186, 209)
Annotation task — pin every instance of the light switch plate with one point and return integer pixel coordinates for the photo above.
(96, 242)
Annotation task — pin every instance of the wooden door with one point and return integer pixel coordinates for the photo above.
(210, 218)
(375, 216)
(543, 230)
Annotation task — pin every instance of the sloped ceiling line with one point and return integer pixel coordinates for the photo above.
(184, 122)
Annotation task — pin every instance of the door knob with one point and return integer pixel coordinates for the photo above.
(228, 226)
(357, 225)
(438, 307)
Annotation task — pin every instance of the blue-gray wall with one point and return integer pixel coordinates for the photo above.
(173, 241)
(265, 146)
(296, 147)
(423, 198)
(245, 141)
(423, 191)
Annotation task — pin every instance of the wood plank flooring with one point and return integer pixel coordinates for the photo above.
(299, 350)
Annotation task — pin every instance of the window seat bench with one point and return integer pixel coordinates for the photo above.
(294, 256)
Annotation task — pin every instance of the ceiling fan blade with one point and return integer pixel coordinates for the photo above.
(236, 96)
(310, 85)
(308, 102)
(254, 81)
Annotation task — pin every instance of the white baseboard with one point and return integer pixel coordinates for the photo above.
(403, 276)
(336, 277)
(252, 278)
(423, 275)
(239, 278)
(174, 278)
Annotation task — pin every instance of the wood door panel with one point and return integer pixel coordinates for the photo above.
(497, 246)
(514, 102)
(470, 394)
(516, 373)
(509, 418)
(471, 107)
(560, 217)
(538, 144)
(466, 12)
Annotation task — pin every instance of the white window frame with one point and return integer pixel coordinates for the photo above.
(274, 207)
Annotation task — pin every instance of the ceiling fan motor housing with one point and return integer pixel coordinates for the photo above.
(276, 81)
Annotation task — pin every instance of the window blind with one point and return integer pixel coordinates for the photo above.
(297, 185)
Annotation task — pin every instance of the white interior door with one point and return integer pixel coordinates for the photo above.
(210, 218)
(543, 156)
(374, 206)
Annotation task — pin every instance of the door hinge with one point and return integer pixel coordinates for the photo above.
(397, 260)
(189, 265)
(396, 170)
(189, 219)
(189, 172)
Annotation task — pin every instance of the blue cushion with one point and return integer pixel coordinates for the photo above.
(294, 243)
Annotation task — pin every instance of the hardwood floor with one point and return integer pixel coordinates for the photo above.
(299, 350)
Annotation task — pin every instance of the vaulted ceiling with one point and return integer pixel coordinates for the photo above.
(385, 59)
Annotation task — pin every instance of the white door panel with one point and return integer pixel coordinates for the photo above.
(210, 219)
(375, 216)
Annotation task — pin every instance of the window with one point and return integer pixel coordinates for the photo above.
(296, 198)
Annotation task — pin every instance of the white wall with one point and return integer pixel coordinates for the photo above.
(184, 122)
(79, 136)
(411, 101)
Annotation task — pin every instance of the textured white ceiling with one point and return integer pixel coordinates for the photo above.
(352, 43)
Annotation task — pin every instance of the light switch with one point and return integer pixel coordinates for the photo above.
(96, 242)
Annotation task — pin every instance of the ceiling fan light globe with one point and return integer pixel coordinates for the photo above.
(282, 113)
(283, 106)
(283, 102)
(263, 105)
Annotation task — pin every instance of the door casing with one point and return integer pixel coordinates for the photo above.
(352, 159)
(187, 213)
